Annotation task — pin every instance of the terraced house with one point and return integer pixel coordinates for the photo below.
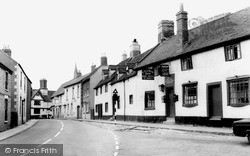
(195, 76)
(20, 90)
(75, 98)
(6, 73)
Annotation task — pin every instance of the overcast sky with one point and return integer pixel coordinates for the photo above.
(48, 37)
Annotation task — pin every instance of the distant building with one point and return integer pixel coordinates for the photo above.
(41, 101)
(75, 98)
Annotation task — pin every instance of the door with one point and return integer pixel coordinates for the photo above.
(170, 107)
(99, 111)
(215, 100)
(78, 112)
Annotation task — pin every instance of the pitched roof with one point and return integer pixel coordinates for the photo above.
(8, 63)
(83, 78)
(46, 98)
(208, 36)
(77, 80)
(106, 80)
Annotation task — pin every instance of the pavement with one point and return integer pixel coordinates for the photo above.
(14, 131)
(169, 126)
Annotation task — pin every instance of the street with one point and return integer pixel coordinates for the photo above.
(91, 139)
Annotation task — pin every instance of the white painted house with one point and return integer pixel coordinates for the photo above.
(194, 76)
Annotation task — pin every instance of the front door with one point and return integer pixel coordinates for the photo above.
(170, 107)
(99, 111)
(78, 112)
(215, 100)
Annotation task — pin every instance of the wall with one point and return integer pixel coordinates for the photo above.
(103, 98)
(209, 67)
(86, 100)
(72, 100)
(94, 80)
(5, 94)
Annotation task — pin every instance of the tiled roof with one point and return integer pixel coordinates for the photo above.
(6, 61)
(77, 80)
(210, 35)
(106, 80)
(83, 78)
(46, 98)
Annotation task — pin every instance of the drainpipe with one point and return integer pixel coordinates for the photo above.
(124, 99)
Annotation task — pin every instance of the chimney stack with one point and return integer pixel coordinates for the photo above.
(182, 27)
(93, 67)
(124, 56)
(43, 84)
(7, 51)
(104, 61)
(135, 49)
(165, 30)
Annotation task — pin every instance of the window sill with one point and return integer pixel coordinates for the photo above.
(190, 105)
(149, 108)
(5, 122)
(239, 105)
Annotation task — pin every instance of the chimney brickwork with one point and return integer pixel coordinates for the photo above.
(165, 30)
(182, 27)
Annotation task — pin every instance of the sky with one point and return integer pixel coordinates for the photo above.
(49, 37)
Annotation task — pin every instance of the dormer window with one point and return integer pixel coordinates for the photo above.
(232, 52)
(186, 63)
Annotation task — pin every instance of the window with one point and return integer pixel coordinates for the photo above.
(190, 95)
(101, 90)
(150, 100)
(238, 92)
(36, 111)
(96, 92)
(106, 107)
(96, 108)
(6, 110)
(73, 92)
(130, 99)
(232, 52)
(186, 63)
(106, 88)
(78, 89)
(36, 102)
(6, 80)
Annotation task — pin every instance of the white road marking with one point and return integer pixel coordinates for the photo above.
(47, 141)
(117, 143)
(57, 134)
(117, 147)
(116, 153)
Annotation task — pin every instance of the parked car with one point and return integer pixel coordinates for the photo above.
(241, 128)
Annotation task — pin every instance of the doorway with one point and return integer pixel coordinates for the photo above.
(214, 100)
(170, 105)
(99, 111)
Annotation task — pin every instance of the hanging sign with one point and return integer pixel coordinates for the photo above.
(148, 73)
(163, 70)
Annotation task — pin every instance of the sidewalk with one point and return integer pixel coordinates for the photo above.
(187, 128)
(14, 131)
